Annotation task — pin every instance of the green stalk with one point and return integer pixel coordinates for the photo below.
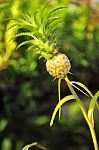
(84, 114)
(59, 97)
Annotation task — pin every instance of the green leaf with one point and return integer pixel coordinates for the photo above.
(21, 25)
(76, 86)
(51, 20)
(65, 99)
(23, 34)
(44, 14)
(52, 24)
(51, 29)
(32, 47)
(36, 17)
(36, 145)
(12, 26)
(25, 43)
(91, 107)
(86, 89)
(83, 86)
(27, 17)
(29, 145)
(55, 11)
(24, 22)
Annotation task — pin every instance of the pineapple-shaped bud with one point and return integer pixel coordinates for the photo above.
(58, 66)
(42, 29)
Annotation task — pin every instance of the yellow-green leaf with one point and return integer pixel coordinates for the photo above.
(83, 86)
(91, 107)
(86, 89)
(36, 145)
(29, 145)
(75, 86)
(58, 106)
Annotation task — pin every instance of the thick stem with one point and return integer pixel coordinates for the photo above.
(84, 114)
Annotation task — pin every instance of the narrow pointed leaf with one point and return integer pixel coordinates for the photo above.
(92, 106)
(83, 86)
(29, 145)
(51, 20)
(37, 145)
(22, 34)
(12, 26)
(27, 17)
(76, 87)
(37, 17)
(21, 25)
(25, 43)
(44, 15)
(25, 22)
(86, 89)
(64, 100)
(32, 47)
(55, 10)
(56, 24)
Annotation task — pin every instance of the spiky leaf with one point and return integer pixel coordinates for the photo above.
(25, 43)
(23, 34)
(43, 26)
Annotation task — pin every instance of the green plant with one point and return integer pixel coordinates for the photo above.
(41, 30)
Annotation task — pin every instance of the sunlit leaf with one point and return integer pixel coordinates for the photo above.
(36, 145)
(29, 145)
(23, 34)
(92, 106)
(52, 20)
(83, 86)
(55, 11)
(25, 43)
(32, 47)
(65, 99)
(76, 87)
(37, 18)
(23, 22)
(86, 89)
(12, 26)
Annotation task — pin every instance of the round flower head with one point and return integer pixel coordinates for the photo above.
(58, 66)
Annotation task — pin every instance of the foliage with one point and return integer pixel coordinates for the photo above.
(27, 94)
(88, 116)
(79, 38)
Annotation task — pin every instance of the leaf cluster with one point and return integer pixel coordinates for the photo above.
(41, 29)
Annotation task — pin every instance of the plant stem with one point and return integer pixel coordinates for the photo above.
(84, 114)
(59, 83)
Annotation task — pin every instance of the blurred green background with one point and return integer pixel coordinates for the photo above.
(28, 94)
